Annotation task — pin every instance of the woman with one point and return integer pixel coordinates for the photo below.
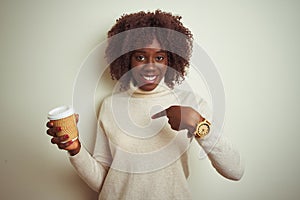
(139, 155)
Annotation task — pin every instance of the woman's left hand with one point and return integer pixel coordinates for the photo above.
(181, 117)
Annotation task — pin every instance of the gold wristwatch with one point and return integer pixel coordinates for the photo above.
(202, 129)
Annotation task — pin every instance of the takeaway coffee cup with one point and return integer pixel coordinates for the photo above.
(64, 117)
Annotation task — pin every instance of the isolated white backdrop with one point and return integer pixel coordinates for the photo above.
(254, 44)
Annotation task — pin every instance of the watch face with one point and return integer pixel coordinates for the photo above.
(203, 129)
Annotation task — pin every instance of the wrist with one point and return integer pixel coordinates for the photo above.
(75, 151)
(196, 120)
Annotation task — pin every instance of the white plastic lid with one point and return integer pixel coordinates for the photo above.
(60, 112)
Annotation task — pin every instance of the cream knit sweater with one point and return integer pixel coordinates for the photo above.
(139, 158)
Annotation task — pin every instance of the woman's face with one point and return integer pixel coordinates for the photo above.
(149, 66)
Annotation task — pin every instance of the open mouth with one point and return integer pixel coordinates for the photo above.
(149, 77)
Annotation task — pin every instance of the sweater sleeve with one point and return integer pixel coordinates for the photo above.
(93, 168)
(224, 157)
(89, 169)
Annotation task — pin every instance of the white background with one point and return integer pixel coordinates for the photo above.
(254, 44)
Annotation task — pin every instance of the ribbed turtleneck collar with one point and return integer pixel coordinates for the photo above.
(161, 89)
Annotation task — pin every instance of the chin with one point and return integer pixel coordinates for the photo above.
(148, 87)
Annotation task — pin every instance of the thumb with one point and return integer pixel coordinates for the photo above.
(77, 118)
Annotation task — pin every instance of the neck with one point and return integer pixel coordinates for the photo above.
(160, 89)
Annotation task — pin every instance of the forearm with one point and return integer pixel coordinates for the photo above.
(223, 156)
(91, 171)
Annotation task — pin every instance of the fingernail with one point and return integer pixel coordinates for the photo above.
(66, 136)
(58, 128)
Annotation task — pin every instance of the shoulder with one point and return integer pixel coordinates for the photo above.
(113, 101)
(117, 95)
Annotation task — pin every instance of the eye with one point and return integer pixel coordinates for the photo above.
(140, 58)
(159, 58)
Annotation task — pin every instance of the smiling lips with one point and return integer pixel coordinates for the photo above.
(149, 77)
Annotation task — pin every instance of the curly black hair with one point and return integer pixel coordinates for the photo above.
(136, 30)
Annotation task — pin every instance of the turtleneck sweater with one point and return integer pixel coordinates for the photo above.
(136, 157)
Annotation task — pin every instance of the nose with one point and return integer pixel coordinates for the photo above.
(149, 67)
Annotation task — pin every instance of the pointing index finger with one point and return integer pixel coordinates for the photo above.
(159, 114)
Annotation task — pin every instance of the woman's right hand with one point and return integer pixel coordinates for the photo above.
(73, 147)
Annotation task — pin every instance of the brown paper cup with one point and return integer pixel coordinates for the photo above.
(64, 117)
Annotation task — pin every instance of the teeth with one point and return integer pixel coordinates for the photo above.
(149, 78)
